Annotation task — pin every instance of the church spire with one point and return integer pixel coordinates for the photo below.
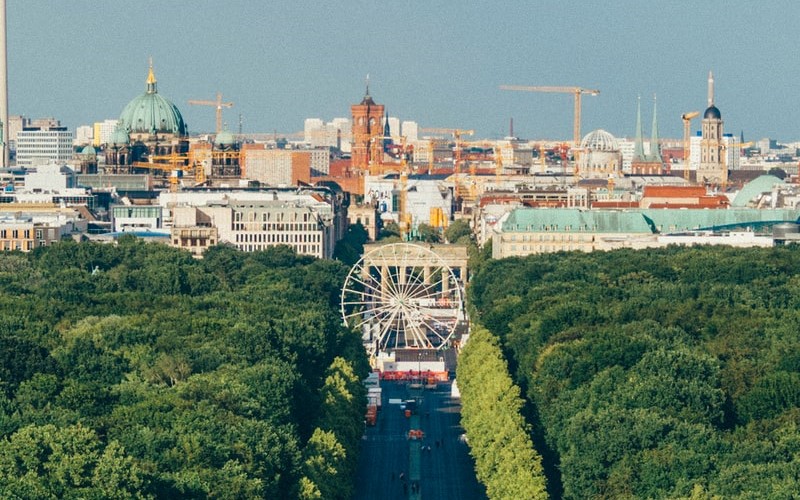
(710, 89)
(151, 79)
(655, 153)
(638, 149)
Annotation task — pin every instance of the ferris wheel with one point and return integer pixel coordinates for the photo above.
(400, 296)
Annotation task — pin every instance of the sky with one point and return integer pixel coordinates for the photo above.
(439, 63)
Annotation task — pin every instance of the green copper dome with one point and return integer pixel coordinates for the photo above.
(224, 138)
(120, 137)
(151, 113)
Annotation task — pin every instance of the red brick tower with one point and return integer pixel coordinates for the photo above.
(367, 131)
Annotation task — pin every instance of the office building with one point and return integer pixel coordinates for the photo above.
(40, 144)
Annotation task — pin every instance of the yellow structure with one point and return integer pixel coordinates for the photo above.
(577, 92)
(687, 125)
(218, 104)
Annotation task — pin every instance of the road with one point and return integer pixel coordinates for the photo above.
(445, 471)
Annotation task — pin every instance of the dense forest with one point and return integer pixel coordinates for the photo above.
(670, 373)
(135, 371)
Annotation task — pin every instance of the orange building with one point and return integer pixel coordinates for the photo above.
(367, 133)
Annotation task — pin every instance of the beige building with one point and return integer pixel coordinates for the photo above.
(367, 216)
(41, 226)
(526, 231)
(255, 226)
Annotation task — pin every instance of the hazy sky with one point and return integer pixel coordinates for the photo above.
(436, 62)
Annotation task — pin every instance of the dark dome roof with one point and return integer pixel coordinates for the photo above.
(713, 113)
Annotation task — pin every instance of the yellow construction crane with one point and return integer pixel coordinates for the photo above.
(577, 92)
(498, 164)
(217, 104)
(403, 215)
(687, 125)
(457, 133)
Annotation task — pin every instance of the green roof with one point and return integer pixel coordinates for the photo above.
(569, 220)
(681, 220)
(759, 185)
(151, 113)
(636, 221)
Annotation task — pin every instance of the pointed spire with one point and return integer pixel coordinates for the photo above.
(710, 89)
(638, 150)
(655, 153)
(367, 93)
(386, 131)
(151, 79)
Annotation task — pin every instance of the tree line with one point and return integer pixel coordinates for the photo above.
(135, 371)
(664, 373)
(499, 438)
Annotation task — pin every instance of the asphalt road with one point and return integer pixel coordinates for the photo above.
(446, 471)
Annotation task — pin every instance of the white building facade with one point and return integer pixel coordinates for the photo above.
(36, 144)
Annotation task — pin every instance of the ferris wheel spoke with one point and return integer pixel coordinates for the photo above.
(367, 285)
(388, 324)
(433, 287)
(416, 277)
(386, 287)
(376, 312)
(434, 331)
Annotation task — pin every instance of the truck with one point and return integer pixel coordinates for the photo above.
(373, 380)
(374, 395)
(371, 416)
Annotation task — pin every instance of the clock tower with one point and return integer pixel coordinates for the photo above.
(367, 132)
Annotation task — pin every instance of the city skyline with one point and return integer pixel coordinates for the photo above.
(82, 62)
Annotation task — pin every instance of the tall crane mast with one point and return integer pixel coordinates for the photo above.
(457, 133)
(217, 104)
(687, 125)
(577, 92)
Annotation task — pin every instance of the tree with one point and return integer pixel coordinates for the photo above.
(390, 231)
(457, 230)
(428, 233)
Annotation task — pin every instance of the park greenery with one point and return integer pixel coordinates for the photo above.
(668, 373)
(499, 438)
(136, 371)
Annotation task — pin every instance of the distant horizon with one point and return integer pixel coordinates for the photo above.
(428, 63)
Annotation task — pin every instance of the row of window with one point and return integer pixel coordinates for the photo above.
(279, 238)
(276, 226)
(194, 242)
(553, 237)
(15, 233)
(18, 245)
(268, 216)
(546, 248)
(301, 249)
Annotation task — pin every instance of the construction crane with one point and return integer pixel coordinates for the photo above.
(498, 163)
(577, 92)
(217, 104)
(687, 125)
(403, 215)
(457, 133)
